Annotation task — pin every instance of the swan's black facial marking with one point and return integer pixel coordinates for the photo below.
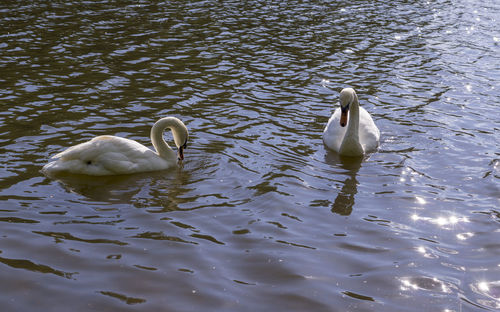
(180, 151)
(344, 109)
(343, 115)
(89, 162)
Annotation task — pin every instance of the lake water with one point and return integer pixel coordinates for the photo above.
(260, 216)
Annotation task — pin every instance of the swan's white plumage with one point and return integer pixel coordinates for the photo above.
(368, 133)
(110, 155)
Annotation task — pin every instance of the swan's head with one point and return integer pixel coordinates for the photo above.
(180, 150)
(347, 96)
(180, 133)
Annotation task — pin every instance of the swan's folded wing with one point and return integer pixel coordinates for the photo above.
(369, 134)
(120, 155)
(103, 155)
(116, 163)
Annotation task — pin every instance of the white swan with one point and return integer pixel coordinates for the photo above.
(361, 135)
(110, 155)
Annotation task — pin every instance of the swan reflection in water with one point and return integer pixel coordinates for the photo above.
(162, 189)
(345, 198)
(351, 133)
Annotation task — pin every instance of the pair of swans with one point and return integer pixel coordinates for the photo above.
(111, 155)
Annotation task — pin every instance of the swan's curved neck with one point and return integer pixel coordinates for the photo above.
(162, 148)
(350, 144)
(353, 126)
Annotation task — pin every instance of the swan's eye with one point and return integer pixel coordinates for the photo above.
(89, 162)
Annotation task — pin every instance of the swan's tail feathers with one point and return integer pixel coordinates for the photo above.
(48, 167)
(57, 166)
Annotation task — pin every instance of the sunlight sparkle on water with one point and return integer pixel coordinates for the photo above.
(443, 221)
(483, 286)
(440, 221)
(464, 236)
(491, 290)
(407, 285)
(453, 220)
(420, 200)
(421, 249)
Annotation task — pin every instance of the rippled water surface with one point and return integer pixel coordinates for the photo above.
(260, 216)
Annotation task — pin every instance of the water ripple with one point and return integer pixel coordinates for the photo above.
(260, 214)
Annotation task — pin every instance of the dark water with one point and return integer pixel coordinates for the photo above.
(260, 216)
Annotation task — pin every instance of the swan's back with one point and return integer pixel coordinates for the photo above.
(107, 155)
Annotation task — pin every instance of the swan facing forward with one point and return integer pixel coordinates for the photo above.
(111, 155)
(361, 134)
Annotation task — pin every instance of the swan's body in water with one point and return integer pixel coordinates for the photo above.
(361, 134)
(111, 155)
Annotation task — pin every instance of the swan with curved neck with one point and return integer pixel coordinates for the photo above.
(111, 155)
(361, 135)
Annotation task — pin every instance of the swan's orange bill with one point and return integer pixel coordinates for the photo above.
(343, 118)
